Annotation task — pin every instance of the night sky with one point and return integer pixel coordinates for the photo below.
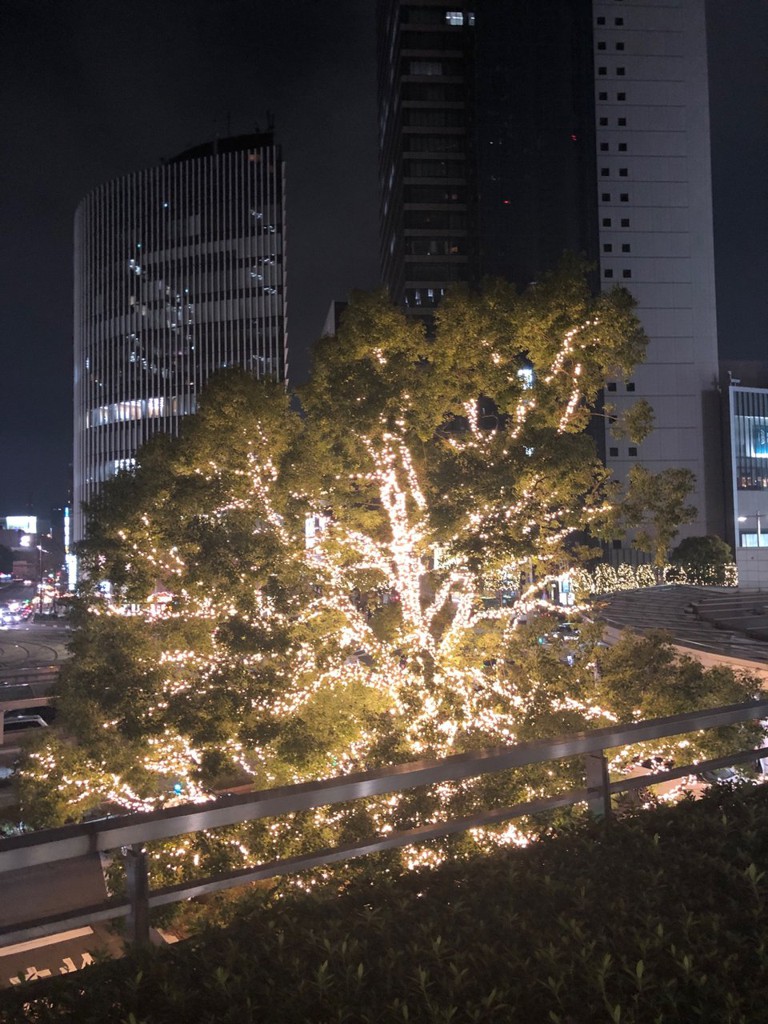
(94, 89)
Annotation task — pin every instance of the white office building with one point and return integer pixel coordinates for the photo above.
(179, 271)
(656, 237)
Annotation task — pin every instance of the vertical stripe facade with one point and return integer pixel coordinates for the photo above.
(179, 271)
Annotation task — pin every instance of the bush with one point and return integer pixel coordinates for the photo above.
(657, 918)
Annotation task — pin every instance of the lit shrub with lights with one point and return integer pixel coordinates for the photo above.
(296, 594)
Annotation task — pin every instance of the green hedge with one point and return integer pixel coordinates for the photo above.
(658, 918)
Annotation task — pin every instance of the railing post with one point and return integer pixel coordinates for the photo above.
(137, 878)
(599, 801)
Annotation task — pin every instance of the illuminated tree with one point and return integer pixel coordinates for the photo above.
(297, 594)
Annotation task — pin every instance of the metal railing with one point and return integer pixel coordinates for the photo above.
(130, 833)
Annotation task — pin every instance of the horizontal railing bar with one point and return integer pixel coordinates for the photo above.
(65, 921)
(11, 934)
(670, 774)
(126, 830)
(394, 840)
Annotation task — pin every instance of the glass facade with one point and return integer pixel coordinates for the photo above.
(749, 465)
(749, 426)
(179, 271)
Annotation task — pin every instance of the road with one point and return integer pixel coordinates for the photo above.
(29, 647)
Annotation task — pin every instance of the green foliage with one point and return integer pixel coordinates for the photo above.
(654, 506)
(660, 918)
(704, 556)
(235, 650)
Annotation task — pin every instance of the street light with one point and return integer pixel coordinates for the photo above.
(743, 519)
(41, 551)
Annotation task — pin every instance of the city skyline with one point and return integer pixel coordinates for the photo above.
(95, 94)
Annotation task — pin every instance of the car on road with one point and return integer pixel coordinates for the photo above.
(722, 776)
(19, 723)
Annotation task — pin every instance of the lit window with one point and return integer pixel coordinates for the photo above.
(525, 376)
(454, 17)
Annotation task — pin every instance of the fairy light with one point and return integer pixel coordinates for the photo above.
(427, 677)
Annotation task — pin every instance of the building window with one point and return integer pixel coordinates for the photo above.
(601, 46)
(621, 96)
(625, 222)
(606, 222)
(626, 247)
(624, 197)
(603, 122)
(622, 147)
(616, 545)
(632, 453)
(618, 21)
(630, 385)
(621, 71)
(602, 71)
(602, 95)
(425, 67)
(623, 172)
(608, 247)
(454, 18)
(612, 385)
(603, 172)
(605, 197)
(601, 20)
(608, 273)
(619, 46)
(603, 147)
(614, 452)
(626, 273)
(622, 122)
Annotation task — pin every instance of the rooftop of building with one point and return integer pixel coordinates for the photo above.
(233, 144)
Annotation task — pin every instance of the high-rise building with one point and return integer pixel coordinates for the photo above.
(179, 271)
(511, 132)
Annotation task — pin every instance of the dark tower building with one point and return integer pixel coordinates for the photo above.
(179, 270)
(514, 130)
(486, 140)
